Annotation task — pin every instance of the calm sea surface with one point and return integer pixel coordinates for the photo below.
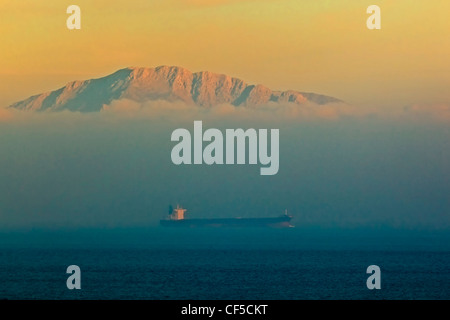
(159, 263)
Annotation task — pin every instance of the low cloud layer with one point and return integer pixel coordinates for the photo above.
(280, 112)
(274, 112)
(435, 112)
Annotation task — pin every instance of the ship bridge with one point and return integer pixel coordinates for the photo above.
(177, 213)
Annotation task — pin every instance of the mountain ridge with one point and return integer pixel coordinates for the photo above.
(171, 83)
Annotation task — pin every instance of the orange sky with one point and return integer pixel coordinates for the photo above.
(319, 46)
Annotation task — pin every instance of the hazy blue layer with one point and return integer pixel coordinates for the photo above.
(88, 172)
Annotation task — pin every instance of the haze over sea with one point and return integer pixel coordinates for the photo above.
(89, 190)
(203, 263)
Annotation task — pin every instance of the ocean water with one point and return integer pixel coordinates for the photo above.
(240, 264)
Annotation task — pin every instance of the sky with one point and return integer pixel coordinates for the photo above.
(317, 46)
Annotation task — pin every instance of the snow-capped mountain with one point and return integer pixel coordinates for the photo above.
(169, 83)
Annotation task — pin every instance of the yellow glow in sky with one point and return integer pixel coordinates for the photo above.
(320, 46)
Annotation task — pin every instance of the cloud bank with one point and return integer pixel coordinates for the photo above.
(274, 112)
(279, 112)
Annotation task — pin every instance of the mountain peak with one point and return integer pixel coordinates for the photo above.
(171, 83)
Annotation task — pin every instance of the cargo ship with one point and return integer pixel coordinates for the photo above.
(176, 218)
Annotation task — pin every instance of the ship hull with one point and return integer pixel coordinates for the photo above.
(278, 222)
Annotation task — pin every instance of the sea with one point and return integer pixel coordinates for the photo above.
(159, 263)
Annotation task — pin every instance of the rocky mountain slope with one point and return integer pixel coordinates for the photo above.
(164, 82)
